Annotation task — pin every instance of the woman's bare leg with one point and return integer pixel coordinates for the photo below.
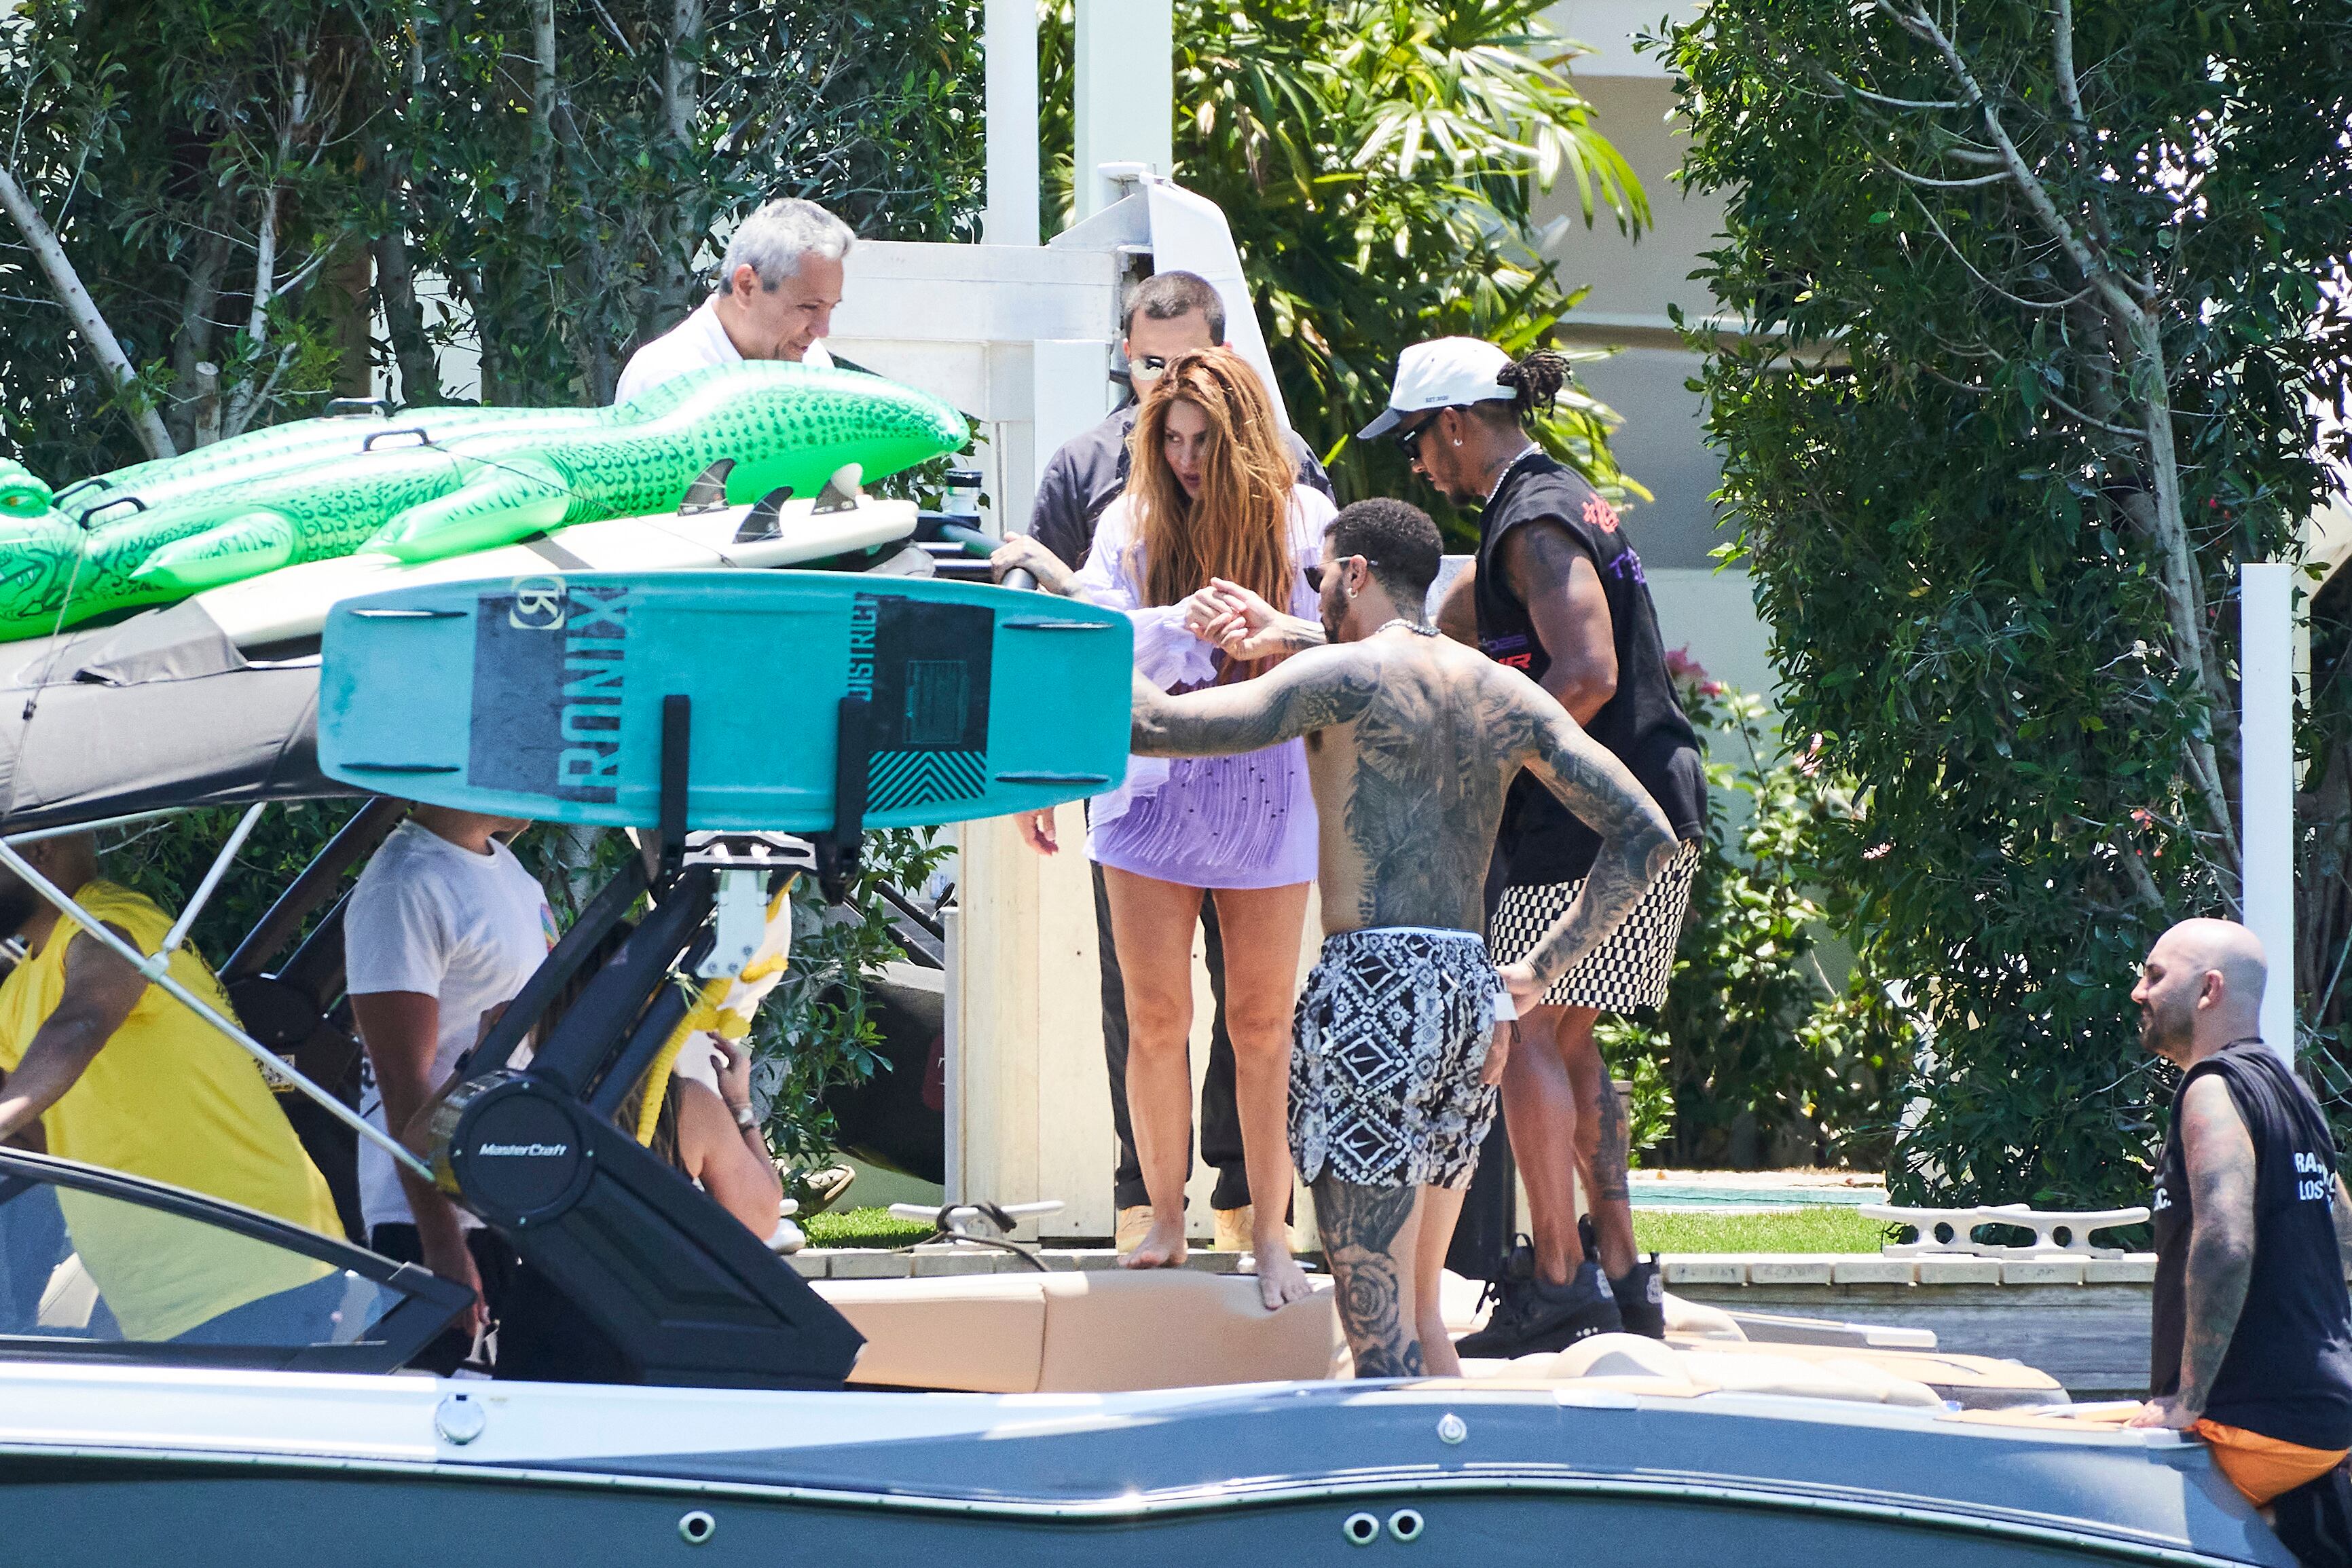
(1153, 922)
(1441, 1208)
(1262, 928)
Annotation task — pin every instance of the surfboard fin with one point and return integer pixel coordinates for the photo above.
(243, 547)
(765, 519)
(840, 493)
(515, 498)
(709, 491)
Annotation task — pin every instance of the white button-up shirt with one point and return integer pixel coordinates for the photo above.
(696, 343)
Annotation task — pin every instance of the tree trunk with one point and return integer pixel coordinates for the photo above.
(192, 344)
(82, 310)
(543, 112)
(681, 232)
(245, 401)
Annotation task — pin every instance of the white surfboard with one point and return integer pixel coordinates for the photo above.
(292, 601)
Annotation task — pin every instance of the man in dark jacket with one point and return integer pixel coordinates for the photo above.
(1168, 314)
(2251, 1341)
(1558, 592)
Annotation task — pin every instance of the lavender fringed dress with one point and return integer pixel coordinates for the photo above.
(1244, 822)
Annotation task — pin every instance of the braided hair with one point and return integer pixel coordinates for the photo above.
(1535, 379)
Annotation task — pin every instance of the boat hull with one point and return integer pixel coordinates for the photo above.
(255, 1470)
(70, 1513)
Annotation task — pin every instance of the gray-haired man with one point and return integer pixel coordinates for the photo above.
(776, 293)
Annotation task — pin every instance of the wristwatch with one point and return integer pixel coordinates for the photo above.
(746, 1117)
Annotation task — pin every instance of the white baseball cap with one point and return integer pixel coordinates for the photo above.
(1444, 373)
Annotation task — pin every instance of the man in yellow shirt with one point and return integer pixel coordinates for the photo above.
(119, 1074)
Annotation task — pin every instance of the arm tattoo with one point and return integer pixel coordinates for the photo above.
(1608, 1151)
(1359, 1225)
(1637, 843)
(1296, 634)
(1317, 689)
(2341, 1212)
(2220, 1159)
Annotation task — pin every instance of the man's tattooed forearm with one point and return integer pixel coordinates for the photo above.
(1250, 716)
(1620, 876)
(1360, 1227)
(2221, 1177)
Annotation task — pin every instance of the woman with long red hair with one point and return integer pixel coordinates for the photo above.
(1213, 497)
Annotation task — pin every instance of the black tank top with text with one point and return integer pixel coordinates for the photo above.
(1540, 841)
(2288, 1371)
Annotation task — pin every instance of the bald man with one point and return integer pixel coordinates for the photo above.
(2252, 1348)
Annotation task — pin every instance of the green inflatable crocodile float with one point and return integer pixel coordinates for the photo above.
(441, 482)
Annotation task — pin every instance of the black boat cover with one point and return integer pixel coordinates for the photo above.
(156, 711)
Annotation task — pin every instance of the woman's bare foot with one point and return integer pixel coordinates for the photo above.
(1163, 1246)
(1280, 1280)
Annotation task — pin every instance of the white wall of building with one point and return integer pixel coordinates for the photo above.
(1633, 281)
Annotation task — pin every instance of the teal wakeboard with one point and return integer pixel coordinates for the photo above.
(544, 697)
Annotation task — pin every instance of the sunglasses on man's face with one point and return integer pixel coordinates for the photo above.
(1314, 574)
(1408, 439)
(1146, 370)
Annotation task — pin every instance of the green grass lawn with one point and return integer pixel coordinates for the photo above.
(862, 1227)
(1824, 1230)
(1829, 1229)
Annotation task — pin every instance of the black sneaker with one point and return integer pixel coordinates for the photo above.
(1640, 1295)
(1642, 1299)
(1532, 1315)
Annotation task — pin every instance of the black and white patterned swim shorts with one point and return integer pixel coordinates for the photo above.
(1392, 1034)
(1632, 967)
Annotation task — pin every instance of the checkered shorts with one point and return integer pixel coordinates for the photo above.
(1631, 968)
(1392, 1035)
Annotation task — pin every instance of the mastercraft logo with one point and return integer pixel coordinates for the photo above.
(528, 1151)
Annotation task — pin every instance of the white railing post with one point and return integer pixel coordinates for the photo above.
(1126, 109)
(2266, 782)
(1011, 45)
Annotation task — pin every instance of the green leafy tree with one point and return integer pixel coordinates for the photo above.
(1377, 160)
(2036, 336)
(183, 193)
(561, 164)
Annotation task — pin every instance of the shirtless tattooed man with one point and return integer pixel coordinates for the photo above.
(1413, 740)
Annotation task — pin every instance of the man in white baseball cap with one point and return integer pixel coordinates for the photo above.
(1558, 593)
(1444, 372)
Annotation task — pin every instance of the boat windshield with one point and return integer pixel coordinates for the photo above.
(116, 1267)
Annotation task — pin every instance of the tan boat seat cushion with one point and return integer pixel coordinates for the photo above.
(1090, 1331)
(985, 1333)
(1735, 1368)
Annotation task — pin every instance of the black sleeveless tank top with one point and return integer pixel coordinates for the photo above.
(1540, 841)
(2288, 1371)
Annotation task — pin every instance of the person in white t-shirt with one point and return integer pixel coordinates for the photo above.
(776, 294)
(443, 929)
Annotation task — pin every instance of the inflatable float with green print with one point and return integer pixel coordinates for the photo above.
(435, 483)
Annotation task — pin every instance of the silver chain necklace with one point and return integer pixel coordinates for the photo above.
(1523, 454)
(1418, 628)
